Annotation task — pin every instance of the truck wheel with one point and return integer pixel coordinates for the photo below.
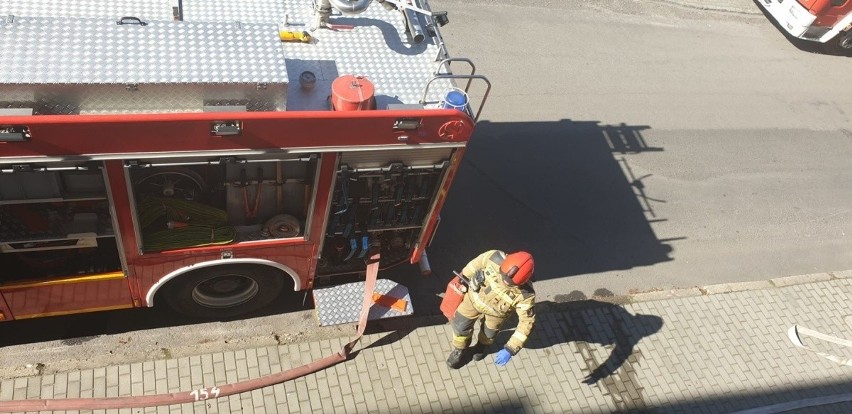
(839, 45)
(224, 291)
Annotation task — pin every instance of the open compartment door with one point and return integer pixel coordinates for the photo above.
(433, 217)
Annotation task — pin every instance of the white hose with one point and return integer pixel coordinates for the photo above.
(425, 269)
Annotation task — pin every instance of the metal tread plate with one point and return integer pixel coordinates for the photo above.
(113, 9)
(376, 47)
(49, 50)
(340, 304)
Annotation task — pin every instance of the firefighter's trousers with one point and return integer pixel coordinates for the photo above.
(466, 316)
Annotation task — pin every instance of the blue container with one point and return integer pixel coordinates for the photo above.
(455, 99)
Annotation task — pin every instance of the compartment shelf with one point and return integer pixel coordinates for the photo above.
(54, 225)
(75, 197)
(70, 241)
(379, 229)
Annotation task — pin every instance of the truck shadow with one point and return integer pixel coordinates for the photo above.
(562, 190)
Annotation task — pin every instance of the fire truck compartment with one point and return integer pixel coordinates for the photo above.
(378, 204)
(55, 222)
(192, 201)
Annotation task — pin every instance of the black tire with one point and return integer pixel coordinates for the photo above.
(226, 291)
(840, 45)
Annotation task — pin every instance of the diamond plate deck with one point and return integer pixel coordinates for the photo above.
(113, 9)
(376, 47)
(45, 50)
(342, 304)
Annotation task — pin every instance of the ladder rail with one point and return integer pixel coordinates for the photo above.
(447, 62)
(470, 78)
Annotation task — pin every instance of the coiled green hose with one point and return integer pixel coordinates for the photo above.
(191, 224)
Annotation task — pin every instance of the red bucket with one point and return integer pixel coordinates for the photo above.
(352, 93)
(453, 297)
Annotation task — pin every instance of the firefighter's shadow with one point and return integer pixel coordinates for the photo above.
(603, 336)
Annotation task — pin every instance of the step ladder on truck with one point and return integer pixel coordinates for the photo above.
(207, 155)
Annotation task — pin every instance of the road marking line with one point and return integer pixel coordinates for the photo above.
(795, 332)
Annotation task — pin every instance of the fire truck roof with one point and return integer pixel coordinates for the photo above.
(90, 56)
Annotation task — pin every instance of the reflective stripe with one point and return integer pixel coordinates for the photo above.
(73, 279)
(497, 286)
(520, 336)
(497, 257)
(461, 337)
(483, 307)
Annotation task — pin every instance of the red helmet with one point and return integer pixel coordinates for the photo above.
(517, 268)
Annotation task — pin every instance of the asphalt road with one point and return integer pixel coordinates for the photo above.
(631, 146)
(639, 146)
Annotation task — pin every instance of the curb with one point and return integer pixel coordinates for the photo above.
(723, 288)
(698, 5)
(413, 322)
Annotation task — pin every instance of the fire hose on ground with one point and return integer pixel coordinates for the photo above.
(211, 392)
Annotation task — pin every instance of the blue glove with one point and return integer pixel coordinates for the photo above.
(502, 357)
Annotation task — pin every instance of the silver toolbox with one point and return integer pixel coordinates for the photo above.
(78, 65)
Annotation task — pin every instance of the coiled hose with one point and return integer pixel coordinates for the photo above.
(188, 224)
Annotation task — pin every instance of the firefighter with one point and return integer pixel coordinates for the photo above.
(499, 285)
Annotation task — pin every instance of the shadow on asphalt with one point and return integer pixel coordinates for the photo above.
(562, 190)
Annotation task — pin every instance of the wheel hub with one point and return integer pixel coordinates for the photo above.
(846, 41)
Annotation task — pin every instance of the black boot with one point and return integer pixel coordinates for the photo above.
(455, 359)
(479, 351)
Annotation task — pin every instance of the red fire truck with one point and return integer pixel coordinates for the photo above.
(824, 21)
(207, 155)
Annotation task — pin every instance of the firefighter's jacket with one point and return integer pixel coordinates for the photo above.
(492, 296)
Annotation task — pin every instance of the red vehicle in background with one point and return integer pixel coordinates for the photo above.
(208, 155)
(828, 22)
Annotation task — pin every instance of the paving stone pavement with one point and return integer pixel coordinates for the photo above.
(707, 350)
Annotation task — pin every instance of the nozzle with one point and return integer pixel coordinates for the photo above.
(294, 36)
(415, 30)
